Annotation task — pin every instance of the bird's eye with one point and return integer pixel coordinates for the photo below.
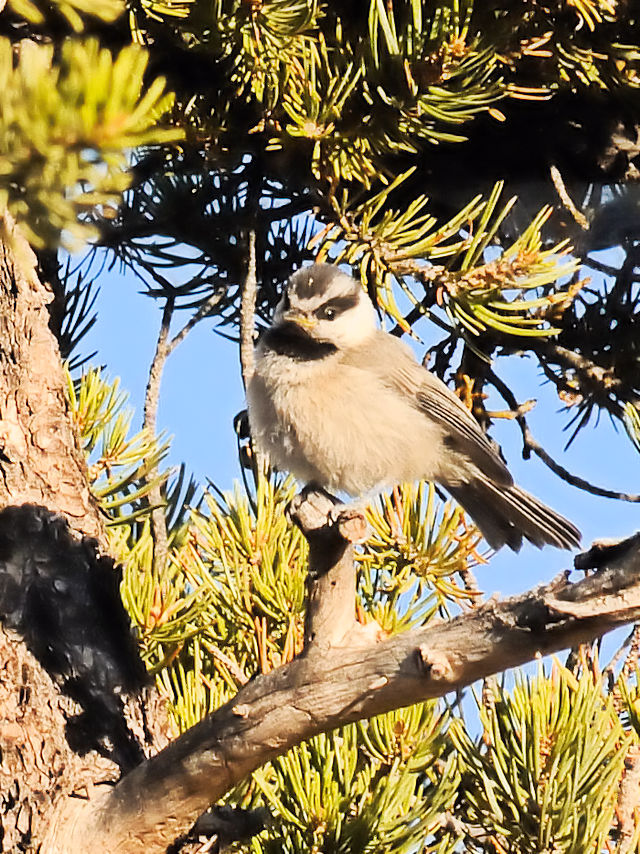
(329, 313)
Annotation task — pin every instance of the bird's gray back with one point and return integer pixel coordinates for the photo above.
(397, 369)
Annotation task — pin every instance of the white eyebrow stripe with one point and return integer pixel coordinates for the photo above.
(339, 287)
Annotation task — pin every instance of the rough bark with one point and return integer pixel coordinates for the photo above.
(628, 809)
(40, 461)
(334, 684)
(73, 712)
(37, 764)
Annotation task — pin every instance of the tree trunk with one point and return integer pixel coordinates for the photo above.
(69, 665)
(40, 460)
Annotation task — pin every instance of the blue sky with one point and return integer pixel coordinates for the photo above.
(202, 391)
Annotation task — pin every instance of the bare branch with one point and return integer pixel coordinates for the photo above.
(158, 518)
(531, 444)
(567, 476)
(204, 311)
(566, 199)
(331, 582)
(329, 686)
(164, 347)
(248, 311)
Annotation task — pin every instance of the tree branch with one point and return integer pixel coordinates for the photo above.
(531, 444)
(329, 686)
(204, 311)
(331, 582)
(566, 199)
(567, 476)
(601, 382)
(248, 311)
(152, 396)
(164, 348)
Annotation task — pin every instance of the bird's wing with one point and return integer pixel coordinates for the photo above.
(394, 364)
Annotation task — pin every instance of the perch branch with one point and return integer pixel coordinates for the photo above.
(326, 688)
(331, 581)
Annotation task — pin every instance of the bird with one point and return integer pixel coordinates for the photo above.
(343, 405)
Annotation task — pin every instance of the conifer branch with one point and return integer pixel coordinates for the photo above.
(531, 444)
(325, 688)
(331, 581)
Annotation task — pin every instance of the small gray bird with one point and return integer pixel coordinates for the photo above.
(339, 403)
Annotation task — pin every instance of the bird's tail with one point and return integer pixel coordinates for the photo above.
(506, 514)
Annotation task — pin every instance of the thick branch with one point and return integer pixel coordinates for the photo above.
(326, 688)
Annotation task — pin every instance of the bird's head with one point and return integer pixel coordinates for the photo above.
(327, 305)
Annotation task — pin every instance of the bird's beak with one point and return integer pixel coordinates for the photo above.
(299, 319)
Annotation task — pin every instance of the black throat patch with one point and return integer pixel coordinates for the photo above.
(289, 339)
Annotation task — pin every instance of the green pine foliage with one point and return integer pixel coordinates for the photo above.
(386, 245)
(119, 463)
(546, 774)
(65, 130)
(378, 786)
(74, 11)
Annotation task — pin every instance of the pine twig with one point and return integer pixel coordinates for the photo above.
(150, 418)
(530, 444)
(566, 199)
(164, 348)
(204, 311)
(570, 478)
(234, 669)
